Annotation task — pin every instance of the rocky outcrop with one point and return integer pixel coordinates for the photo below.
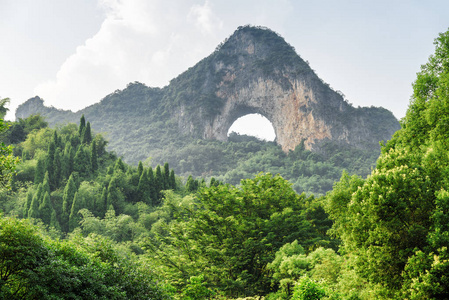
(256, 71)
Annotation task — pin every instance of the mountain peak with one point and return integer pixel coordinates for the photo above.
(253, 71)
(260, 42)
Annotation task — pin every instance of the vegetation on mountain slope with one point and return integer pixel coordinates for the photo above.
(132, 233)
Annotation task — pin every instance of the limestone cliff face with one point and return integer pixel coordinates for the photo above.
(253, 71)
(256, 71)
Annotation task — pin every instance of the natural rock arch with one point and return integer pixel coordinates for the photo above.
(253, 124)
(289, 111)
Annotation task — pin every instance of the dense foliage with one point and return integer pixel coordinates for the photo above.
(94, 227)
(393, 225)
(245, 156)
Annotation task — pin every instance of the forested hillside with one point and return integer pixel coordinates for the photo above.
(79, 223)
(254, 71)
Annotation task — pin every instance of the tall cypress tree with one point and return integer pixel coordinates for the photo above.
(119, 165)
(40, 171)
(143, 189)
(172, 180)
(93, 156)
(190, 184)
(74, 217)
(166, 177)
(140, 169)
(27, 204)
(67, 161)
(49, 163)
(45, 188)
(115, 196)
(33, 212)
(82, 126)
(57, 169)
(159, 183)
(86, 137)
(81, 162)
(100, 203)
(67, 201)
(54, 220)
(45, 209)
(152, 183)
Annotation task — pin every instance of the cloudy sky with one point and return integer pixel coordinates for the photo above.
(72, 53)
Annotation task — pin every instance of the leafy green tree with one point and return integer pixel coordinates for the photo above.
(158, 183)
(21, 252)
(81, 162)
(100, 205)
(140, 169)
(27, 204)
(390, 223)
(75, 218)
(144, 189)
(49, 163)
(54, 220)
(172, 180)
(115, 196)
(231, 234)
(67, 161)
(67, 202)
(40, 171)
(152, 184)
(33, 212)
(82, 126)
(45, 208)
(86, 137)
(119, 165)
(93, 156)
(57, 168)
(307, 289)
(191, 184)
(166, 177)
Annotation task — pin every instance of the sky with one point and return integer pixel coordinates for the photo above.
(72, 53)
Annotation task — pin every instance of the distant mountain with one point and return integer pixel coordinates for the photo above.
(253, 71)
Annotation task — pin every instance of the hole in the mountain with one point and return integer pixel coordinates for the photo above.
(254, 125)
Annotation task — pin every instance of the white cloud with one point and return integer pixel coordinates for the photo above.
(204, 18)
(139, 40)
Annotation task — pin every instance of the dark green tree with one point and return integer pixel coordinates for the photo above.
(54, 220)
(101, 202)
(140, 169)
(166, 177)
(40, 171)
(172, 180)
(115, 196)
(49, 163)
(144, 189)
(57, 168)
(158, 184)
(119, 165)
(86, 137)
(191, 184)
(46, 209)
(67, 201)
(82, 126)
(81, 162)
(93, 156)
(27, 203)
(75, 218)
(390, 223)
(33, 212)
(230, 234)
(67, 161)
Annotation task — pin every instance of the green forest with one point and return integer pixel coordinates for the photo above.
(77, 222)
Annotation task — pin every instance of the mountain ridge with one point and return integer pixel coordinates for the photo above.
(253, 71)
